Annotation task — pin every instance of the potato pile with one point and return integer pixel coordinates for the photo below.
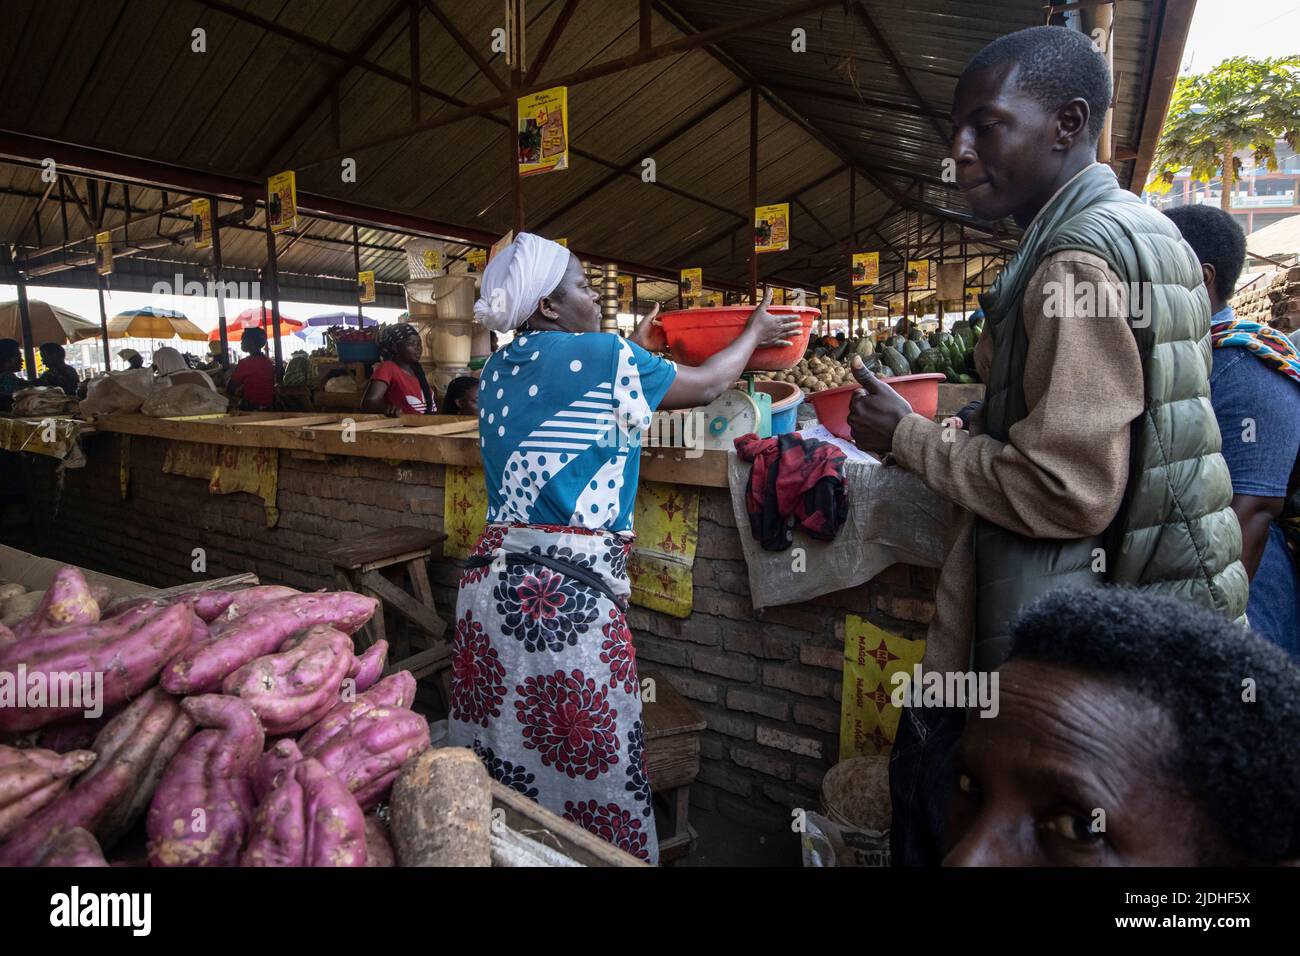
(814, 374)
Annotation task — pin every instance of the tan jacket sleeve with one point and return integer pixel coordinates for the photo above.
(1062, 472)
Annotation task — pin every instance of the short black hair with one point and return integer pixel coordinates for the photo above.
(254, 336)
(1057, 65)
(52, 348)
(9, 348)
(457, 389)
(1239, 760)
(1216, 238)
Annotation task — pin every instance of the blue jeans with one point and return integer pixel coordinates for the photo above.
(921, 779)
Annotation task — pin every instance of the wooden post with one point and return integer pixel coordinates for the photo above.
(273, 278)
(516, 27)
(356, 261)
(103, 318)
(753, 191)
(25, 320)
(216, 277)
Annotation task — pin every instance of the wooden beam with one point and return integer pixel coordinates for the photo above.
(753, 190)
(644, 26)
(1170, 24)
(469, 49)
(413, 58)
(586, 74)
(904, 77)
(548, 45)
(81, 207)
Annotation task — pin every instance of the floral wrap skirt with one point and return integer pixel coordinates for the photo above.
(544, 683)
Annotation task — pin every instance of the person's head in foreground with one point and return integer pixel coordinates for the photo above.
(1132, 729)
(1220, 247)
(1026, 118)
(252, 341)
(461, 397)
(535, 285)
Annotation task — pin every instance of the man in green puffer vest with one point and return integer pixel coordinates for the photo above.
(1095, 457)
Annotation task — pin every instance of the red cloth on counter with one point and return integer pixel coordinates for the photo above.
(795, 483)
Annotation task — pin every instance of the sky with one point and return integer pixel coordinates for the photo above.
(1224, 28)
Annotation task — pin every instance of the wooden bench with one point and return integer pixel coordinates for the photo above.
(672, 756)
(358, 566)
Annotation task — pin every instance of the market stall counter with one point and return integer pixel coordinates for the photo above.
(785, 692)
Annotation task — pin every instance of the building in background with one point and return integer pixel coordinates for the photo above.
(1260, 198)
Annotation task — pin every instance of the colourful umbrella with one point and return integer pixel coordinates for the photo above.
(151, 323)
(252, 319)
(49, 323)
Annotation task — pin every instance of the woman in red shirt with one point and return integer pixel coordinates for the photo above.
(398, 386)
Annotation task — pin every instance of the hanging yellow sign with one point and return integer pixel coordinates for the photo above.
(625, 294)
(544, 131)
(918, 273)
(828, 297)
(868, 714)
(692, 287)
(366, 286)
(104, 253)
(866, 268)
(201, 223)
(562, 241)
(867, 303)
(972, 298)
(282, 201)
(772, 228)
(476, 260)
(778, 296)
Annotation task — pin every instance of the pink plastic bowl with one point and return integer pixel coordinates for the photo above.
(696, 334)
(920, 391)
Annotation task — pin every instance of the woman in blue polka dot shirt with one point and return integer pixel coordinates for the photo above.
(544, 684)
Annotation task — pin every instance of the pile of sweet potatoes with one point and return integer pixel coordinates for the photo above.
(241, 728)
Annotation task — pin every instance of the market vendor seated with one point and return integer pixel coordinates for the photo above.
(170, 368)
(132, 358)
(1123, 735)
(461, 397)
(252, 381)
(398, 385)
(544, 678)
(58, 373)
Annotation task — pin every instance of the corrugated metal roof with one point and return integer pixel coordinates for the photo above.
(122, 75)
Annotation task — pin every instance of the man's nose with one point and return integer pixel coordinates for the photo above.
(962, 148)
(988, 842)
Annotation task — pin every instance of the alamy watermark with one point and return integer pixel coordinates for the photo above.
(977, 690)
(60, 690)
(180, 286)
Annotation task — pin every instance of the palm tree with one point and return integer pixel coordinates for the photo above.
(1241, 104)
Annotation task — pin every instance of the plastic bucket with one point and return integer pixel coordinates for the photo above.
(696, 334)
(920, 391)
(442, 297)
(786, 399)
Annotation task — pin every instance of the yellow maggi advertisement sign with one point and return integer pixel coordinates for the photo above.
(476, 260)
(778, 296)
(918, 273)
(366, 286)
(625, 294)
(562, 241)
(692, 286)
(872, 656)
(544, 131)
(867, 303)
(828, 296)
(282, 201)
(201, 223)
(866, 268)
(971, 300)
(772, 228)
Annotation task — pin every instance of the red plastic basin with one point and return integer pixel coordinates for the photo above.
(696, 334)
(920, 391)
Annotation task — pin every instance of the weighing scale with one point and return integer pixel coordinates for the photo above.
(734, 413)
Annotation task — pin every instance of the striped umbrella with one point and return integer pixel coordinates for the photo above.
(151, 323)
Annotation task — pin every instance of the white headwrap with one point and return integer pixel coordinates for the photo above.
(168, 360)
(528, 269)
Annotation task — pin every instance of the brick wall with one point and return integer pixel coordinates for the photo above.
(767, 683)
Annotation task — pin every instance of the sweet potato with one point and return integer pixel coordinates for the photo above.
(128, 651)
(367, 753)
(201, 810)
(75, 847)
(201, 667)
(395, 691)
(66, 602)
(6, 636)
(33, 778)
(84, 805)
(271, 767)
(296, 687)
(310, 819)
(250, 599)
(369, 667)
(146, 735)
(76, 734)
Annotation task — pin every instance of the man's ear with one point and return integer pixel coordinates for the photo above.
(1072, 123)
(1208, 272)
